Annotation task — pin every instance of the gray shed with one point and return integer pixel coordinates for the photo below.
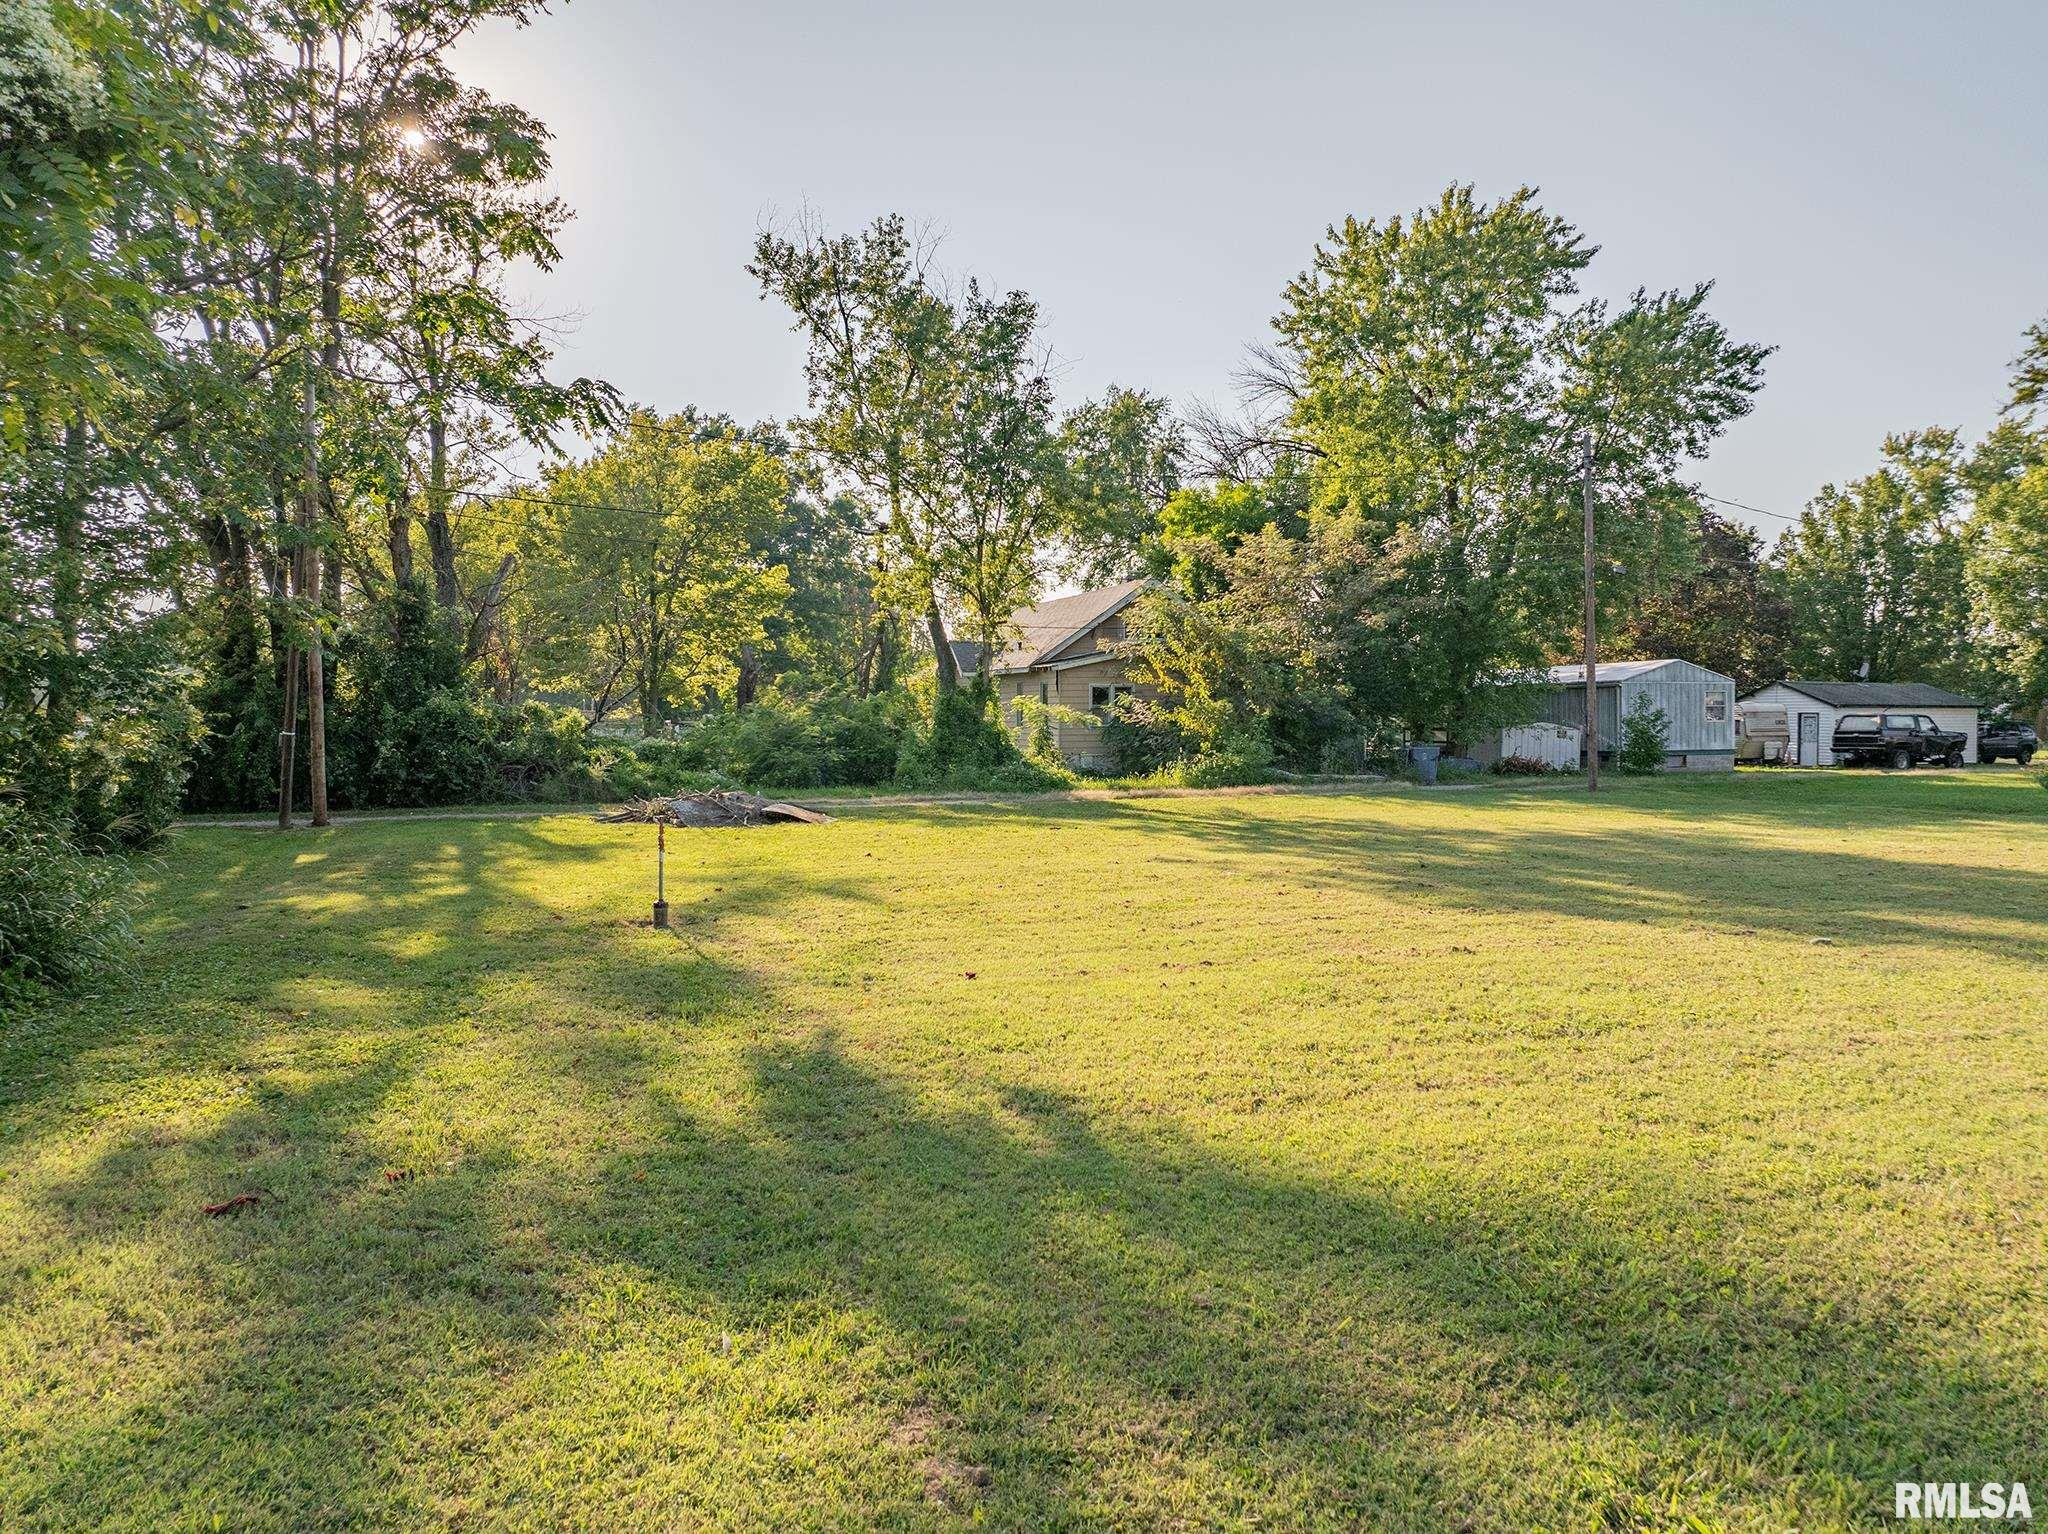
(1698, 704)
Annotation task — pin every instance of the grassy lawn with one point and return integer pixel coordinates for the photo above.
(1478, 1160)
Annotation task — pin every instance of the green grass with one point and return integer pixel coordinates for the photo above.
(1478, 1160)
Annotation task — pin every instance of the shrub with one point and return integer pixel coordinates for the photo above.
(130, 769)
(778, 743)
(960, 746)
(61, 916)
(1040, 725)
(113, 773)
(862, 737)
(1139, 740)
(1240, 758)
(1521, 767)
(1644, 732)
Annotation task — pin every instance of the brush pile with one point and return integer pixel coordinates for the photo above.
(718, 808)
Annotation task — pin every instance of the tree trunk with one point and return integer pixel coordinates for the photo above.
(749, 678)
(287, 737)
(935, 626)
(67, 588)
(650, 705)
(440, 536)
(236, 649)
(305, 573)
(487, 612)
(886, 638)
(400, 541)
(277, 579)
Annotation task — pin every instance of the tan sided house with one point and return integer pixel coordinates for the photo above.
(1058, 652)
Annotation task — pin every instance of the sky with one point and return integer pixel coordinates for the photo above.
(1865, 182)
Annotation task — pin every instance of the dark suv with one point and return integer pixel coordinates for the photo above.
(2002, 735)
(1896, 740)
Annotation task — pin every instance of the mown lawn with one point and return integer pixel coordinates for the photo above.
(1481, 1160)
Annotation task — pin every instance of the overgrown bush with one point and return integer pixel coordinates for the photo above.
(1521, 767)
(1140, 741)
(1239, 759)
(964, 746)
(1644, 732)
(108, 772)
(779, 743)
(1039, 724)
(61, 915)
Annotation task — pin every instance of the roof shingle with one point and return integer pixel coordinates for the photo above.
(1881, 695)
(1036, 631)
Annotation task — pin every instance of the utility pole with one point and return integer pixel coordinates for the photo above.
(1592, 683)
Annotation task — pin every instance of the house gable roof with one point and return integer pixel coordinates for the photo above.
(1879, 694)
(1039, 633)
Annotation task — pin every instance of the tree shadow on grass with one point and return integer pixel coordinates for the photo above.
(1078, 1324)
(1015, 1304)
(1652, 872)
(407, 931)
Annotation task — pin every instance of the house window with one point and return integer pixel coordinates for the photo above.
(1045, 692)
(1101, 695)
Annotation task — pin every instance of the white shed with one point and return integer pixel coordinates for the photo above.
(1556, 746)
(1811, 709)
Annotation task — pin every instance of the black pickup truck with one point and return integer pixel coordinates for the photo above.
(1896, 740)
(2001, 735)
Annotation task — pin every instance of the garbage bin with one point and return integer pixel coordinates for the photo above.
(1424, 758)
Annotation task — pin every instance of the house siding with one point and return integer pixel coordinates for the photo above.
(1080, 744)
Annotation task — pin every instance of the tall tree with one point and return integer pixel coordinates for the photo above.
(1874, 571)
(345, 101)
(644, 564)
(2008, 535)
(98, 121)
(1439, 372)
(1124, 454)
(1719, 606)
(941, 412)
(879, 351)
(997, 493)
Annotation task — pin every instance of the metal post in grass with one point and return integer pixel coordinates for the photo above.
(661, 872)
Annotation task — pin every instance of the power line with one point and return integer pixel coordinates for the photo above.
(1744, 506)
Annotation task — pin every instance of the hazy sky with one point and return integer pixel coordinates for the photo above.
(1867, 183)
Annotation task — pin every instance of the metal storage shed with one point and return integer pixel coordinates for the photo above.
(1811, 709)
(1698, 704)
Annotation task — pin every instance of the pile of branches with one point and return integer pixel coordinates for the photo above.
(716, 808)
